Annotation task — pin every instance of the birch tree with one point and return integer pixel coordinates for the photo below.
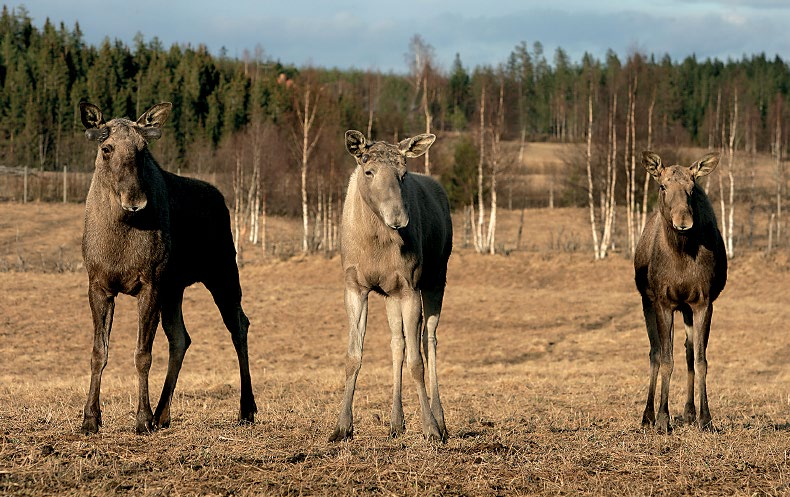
(421, 60)
(588, 156)
(306, 135)
(646, 188)
(779, 172)
(477, 231)
(496, 160)
(728, 204)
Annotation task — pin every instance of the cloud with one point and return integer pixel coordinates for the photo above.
(347, 34)
(748, 4)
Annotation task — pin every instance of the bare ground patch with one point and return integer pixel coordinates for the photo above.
(542, 362)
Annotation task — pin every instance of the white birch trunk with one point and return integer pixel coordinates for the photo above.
(481, 207)
(427, 112)
(590, 197)
(730, 177)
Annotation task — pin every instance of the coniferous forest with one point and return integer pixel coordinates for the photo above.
(259, 121)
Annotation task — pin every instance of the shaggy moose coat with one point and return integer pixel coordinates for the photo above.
(680, 265)
(396, 241)
(150, 233)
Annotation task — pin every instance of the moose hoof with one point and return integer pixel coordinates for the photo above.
(162, 418)
(162, 424)
(689, 414)
(662, 423)
(648, 418)
(706, 424)
(433, 434)
(247, 418)
(145, 425)
(397, 429)
(341, 434)
(247, 411)
(90, 424)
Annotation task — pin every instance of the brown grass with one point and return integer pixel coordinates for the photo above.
(542, 361)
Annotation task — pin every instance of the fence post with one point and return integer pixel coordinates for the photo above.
(65, 184)
(24, 188)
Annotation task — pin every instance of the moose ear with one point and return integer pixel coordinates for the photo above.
(92, 119)
(91, 116)
(705, 165)
(355, 143)
(416, 146)
(652, 162)
(153, 119)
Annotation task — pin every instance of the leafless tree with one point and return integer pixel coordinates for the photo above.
(306, 135)
(496, 163)
(421, 60)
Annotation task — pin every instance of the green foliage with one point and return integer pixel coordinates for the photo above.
(45, 72)
(461, 179)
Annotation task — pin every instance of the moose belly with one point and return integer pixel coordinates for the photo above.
(683, 292)
(385, 281)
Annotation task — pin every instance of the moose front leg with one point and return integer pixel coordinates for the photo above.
(102, 306)
(398, 347)
(148, 309)
(357, 310)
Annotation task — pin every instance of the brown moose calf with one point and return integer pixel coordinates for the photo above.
(150, 234)
(680, 265)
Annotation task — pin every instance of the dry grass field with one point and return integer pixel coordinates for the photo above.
(542, 363)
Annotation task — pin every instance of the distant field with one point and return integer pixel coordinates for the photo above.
(547, 170)
(542, 362)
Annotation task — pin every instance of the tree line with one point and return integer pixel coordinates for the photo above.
(274, 131)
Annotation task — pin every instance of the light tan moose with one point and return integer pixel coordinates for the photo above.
(150, 233)
(680, 265)
(396, 241)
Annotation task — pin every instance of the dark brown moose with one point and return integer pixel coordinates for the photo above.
(150, 234)
(396, 241)
(680, 265)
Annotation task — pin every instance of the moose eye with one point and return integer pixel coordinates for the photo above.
(369, 173)
(365, 158)
(106, 150)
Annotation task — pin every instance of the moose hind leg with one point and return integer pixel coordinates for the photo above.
(227, 296)
(689, 411)
(179, 341)
(412, 317)
(432, 308)
(702, 320)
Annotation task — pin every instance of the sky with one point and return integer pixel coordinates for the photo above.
(374, 35)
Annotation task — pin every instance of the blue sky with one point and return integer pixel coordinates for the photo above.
(376, 34)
